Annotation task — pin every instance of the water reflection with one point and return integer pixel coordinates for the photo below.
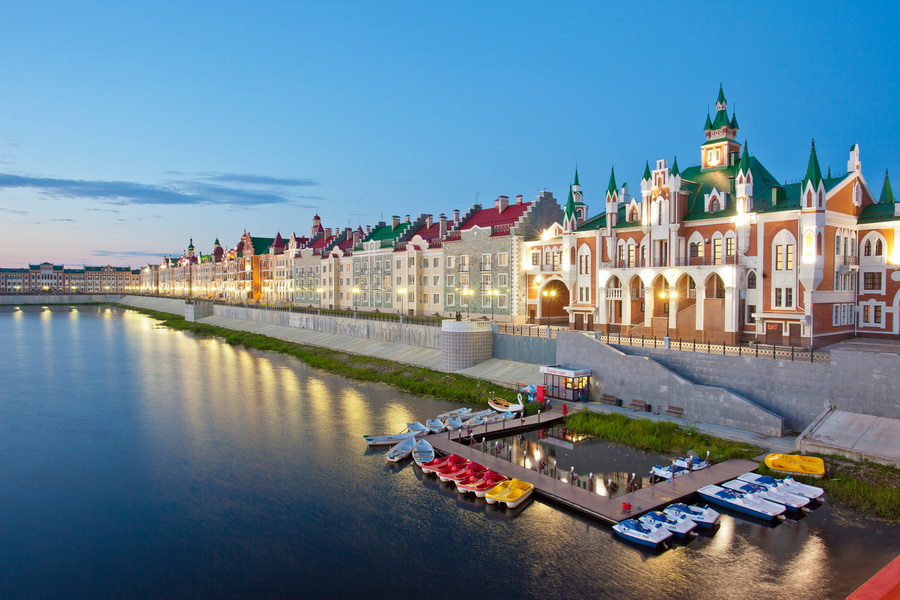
(144, 462)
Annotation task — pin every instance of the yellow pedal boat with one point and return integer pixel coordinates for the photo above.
(511, 492)
(796, 464)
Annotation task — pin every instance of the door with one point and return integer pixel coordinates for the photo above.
(774, 335)
(794, 334)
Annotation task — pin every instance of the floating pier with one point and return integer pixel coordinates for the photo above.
(591, 504)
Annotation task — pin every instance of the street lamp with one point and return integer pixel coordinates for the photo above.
(493, 294)
(468, 293)
(355, 291)
(319, 294)
(668, 296)
(402, 293)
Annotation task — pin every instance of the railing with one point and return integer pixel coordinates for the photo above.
(432, 321)
(848, 260)
(545, 331)
(705, 261)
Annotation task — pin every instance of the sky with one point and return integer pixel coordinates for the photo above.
(129, 128)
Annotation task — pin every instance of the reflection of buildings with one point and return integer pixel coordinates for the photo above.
(47, 278)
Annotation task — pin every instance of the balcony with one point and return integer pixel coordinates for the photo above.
(705, 261)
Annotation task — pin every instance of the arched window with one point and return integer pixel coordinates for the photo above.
(878, 248)
(809, 199)
(632, 215)
(819, 245)
(751, 280)
(694, 251)
(867, 248)
(714, 205)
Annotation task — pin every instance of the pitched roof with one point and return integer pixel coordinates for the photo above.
(611, 188)
(813, 172)
(491, 217)
(887, 194)
(386, 233)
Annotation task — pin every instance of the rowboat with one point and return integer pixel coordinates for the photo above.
(680, 526)
(401, 450)
(790, 501)
(473, 415)
(387, 440)
(641, 533)
(454, 413)
(702, 516)
(423, 452)
(417, 428)
(432, 465)
(692, 463)
(797, 464)
(787, 484)
(741, 502)
(434, 425)
(452, 423)
(479, 484)
(501, 405)
(668, 471)
(511, 492)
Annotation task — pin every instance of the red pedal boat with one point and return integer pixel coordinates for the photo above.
(433, 465)
(481, 483)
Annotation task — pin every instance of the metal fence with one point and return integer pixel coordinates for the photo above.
(330, 312)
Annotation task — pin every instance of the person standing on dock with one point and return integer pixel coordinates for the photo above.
(565, 410)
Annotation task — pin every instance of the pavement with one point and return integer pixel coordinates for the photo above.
(838, 432)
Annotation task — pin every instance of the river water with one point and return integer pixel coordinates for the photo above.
(142, 462)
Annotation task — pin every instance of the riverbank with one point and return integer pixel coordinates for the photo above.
(862, 486)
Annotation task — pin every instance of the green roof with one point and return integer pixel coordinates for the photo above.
(611, 188)
(813, 172)
(721, 119)
(734, 123)
(569, 213)
(646, 172)
(386, 233)
(675, 170)
(708, 125)
(887, 194)
(594, 223)
(877, 213)
(576, 177)
(744, 165)
(261, 245)
(721, 98)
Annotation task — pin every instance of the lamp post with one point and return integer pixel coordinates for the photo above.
(355, 291)
(668, 296)
(402, 292)
(468, 293)
(493, 294)
(319, 295)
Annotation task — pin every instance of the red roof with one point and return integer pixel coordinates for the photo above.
(430, 233)
(491, 217)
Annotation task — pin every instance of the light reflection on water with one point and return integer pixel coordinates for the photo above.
(142, 462)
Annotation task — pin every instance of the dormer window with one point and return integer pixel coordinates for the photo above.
(714, 205)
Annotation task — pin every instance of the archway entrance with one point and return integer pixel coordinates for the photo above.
(554, 296)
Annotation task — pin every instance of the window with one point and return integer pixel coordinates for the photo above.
(486, 281)
(502, 301)
(622, 253)
(835, 315)
(398, 263)
(871, 281)
(536, 258)
(751, 280)
(714, 205)
(486, 262)
(788, 297)
(464, 279)
(878, 248)
(412, 261)
(450, 260)
(451, 280)
(631, 249)
(436, 280)
(837, 244)
(424, 279)
(695, 250)
(778, 296)
(502, 259)
(729, 246)
(424, 263)
(789, 257)
(717, 251)
(503, 280)
(387, 265)
(751, 308)
(451, 299)
(437, 263)
(877, 314)
(779, 260)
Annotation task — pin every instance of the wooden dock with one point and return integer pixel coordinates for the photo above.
(578, 499)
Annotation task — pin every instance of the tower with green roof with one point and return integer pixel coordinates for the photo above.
(887, 194)
(576, 210)
(721, 148)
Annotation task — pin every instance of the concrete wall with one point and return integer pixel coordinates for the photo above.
(522, 348)
(388, 331)
(633, 377)
(167, 305)
(15, 299)
(861, 382)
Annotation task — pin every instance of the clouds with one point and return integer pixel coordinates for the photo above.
(249, 191)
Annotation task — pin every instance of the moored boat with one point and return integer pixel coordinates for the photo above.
(741, 502)
(511, 492)
(401, 450)
(472, 415)
(680, 526)
(787, 484)
(417, 428)
(634, 530)
(668, 472)
(454, 413)
(796, 464)
(790, 501)
(479, 484)
(437, 463)
(452, 423)
(387, 440)
(423, 452)
(434, 425)
(692, 463)
(702, 516)
(505, 406)
(472, 468)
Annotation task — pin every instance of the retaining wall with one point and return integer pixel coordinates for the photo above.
(521, 348)
(634, 377)
(859, 382)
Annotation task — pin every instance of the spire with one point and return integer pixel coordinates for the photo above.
(813, 172)
(576, 177)
(611, 188)
(646, 176)
(570, 208)
(720, 101)
(216, 243)
(675, 170)
(744, 165)
(708, 125)
(887, 194)
(734, 123)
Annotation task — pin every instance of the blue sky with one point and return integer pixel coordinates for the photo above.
(128, 128)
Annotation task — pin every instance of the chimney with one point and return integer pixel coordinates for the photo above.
(456, 216)
(502, 202)
(443, 225)
(356, 238)
(328, 233)
(407, 218)
(429, 219)
(519, 199)
(395, 222)
(368, 229)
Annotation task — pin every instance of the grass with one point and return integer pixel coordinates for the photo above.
(864, 486)
(665, 437)
(415, 380)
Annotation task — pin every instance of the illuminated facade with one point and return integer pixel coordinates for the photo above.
(722, 251)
